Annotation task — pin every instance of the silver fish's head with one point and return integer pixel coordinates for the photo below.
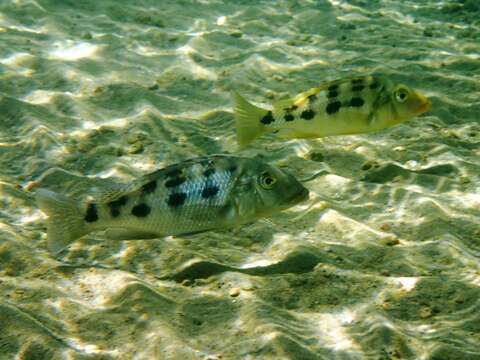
(262, 189)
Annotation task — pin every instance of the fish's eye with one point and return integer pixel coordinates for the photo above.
(267, 180)
(401, 95)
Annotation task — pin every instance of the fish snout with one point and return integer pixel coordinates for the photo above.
(299, 196)
(424, 104)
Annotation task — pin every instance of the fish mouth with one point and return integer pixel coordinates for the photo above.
(299, 197)
(425, 105)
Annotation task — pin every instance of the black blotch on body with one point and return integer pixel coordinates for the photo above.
(333, 87)
(358, 87)
(357, 81)
(307, 114)
(357, 102)
(175, 171)
(267, 119)
(141, 210)
(289, 117)
(174, 181)
(209, 191)
(374, 85)
(312, 98)
(116, 205)
(209, 172)
(333, 107)
(291, 108)
(149, 187)
(232, 168)
(332, 94)
(176, 199)
(92, 214)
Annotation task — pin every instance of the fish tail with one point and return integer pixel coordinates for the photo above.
(65, 222)
(247, 120)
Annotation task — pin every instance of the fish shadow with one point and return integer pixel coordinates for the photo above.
(298, 262)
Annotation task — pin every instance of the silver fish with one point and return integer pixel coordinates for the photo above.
(193, 196)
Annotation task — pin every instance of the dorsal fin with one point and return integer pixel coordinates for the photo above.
(298, 100)
(112, 192)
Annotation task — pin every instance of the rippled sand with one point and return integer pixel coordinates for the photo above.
(381, 263)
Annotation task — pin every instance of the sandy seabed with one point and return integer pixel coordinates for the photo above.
(383, 261)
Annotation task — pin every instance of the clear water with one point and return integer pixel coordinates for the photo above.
(381, 263)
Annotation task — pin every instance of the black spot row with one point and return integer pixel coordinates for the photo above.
(174, 181)
(116, 205)
(208, 172)
(357, 102)
(176, 199)
(141, 210)
(149, 187)
(333, 107)
(209, 191)
(307, 114)
(175, 171)
(289, 117)
(291, 108)
(267, 119)
(92, 214)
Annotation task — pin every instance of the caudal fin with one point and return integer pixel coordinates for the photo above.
(65, 222)
(247, 120)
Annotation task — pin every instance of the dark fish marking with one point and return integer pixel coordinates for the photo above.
(174, 181)
(312, 98)
(332, 94)
(92, 214)
(357, 102)
(333, 87)
(289, 117)
(116, 205)
(209, 163)
(333, 107)
(357, 81)
(358, 87)
(208, 172)
(209, 191)
(307, 114)
(232, 168)
(267, 119)
(149, 187)
(141, 210)
(374, 85)
(176, 199)
(122, 200)
(173, 172)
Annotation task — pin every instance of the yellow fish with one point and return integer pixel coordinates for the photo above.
(340, 107)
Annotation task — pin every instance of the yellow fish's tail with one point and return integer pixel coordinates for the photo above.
(248, 120)
(65, 222)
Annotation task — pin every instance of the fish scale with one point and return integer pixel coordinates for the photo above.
(341, 107)
(196, 195)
